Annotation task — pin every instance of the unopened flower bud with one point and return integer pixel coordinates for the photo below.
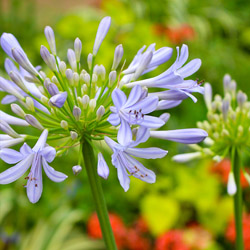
(62, 67)
(100, 112)
(73, 135)
(41, 89)
(94, 78)
(86, 79)
(43, 75)
(69, 75)
(117, 56)
(30, 104)
(48, 58)
(85, 101)
(59, 99)
(102, 72)
(226, 82)
(208, 95)
(23, 60)
(143, 64)
(44, 99)
(5, 127)
(17, 110)
(112, 77)
(165, 117)
(101, 33)
(53, 89)
(16, 78)
(90, 60)
(55, 80)
(231, 185)
(102, 167)
(75, 79)
(78, 49)
(64, 124)
(33, 122)
(84, 88)
(72, 59)
(76, 169)
(46, 83)
(50, 36)
(241, 99)
(92, 104)
(187, 157)
(225, 108)
(77, 112)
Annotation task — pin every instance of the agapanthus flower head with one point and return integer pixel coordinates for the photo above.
(91, 105)
(227, 125)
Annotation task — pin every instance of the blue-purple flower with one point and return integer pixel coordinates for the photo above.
(124, 162)
(36, 157)
(134, 109)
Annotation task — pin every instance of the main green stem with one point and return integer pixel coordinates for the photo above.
(235, 159)
(96, 188)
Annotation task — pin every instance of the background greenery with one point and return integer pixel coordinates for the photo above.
(218, 33)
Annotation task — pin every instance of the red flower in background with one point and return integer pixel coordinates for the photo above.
(176, 34)
(126, 238)
(172, 240)
(222, 169)
(231, 235)
(118, 227)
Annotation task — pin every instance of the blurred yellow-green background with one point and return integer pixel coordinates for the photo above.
(187, 207)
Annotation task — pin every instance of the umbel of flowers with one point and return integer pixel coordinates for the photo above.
(87, 106)
(228, 128)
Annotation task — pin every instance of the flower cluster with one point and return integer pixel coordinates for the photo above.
(227, 124)
(90, 105)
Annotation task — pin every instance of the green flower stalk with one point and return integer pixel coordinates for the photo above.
(228, 128)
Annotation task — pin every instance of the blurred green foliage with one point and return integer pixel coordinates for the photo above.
(182, 194)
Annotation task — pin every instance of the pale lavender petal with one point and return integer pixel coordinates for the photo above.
(142, 135)
(101, 33)
(190, 68)
(124, 136)
(12, 119)
(114, 119)
(10, 66)
(26, 149)
(140, 171)
(183, 56)
(102, 167)
(40, 144)
(151, 122)
(119, 98)
(168, 104)
(147, 153)
(10, 156)
(187, 136)
(122, 174)
(147, 105)
(16, 171)
(35, 182)
(10, 143)
(49, 153)
(134, 96)
(170, 95)
(8, 99)
(52, 173)
(160, 56)
(112, 144)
